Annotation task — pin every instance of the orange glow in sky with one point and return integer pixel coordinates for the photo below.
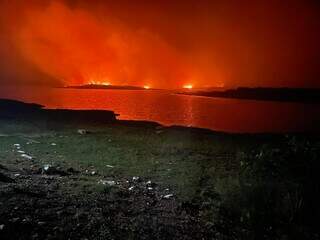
(146, 87)
(209, 43)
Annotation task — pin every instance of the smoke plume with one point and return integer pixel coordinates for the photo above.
(164, 44)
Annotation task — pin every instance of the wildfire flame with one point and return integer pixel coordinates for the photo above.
(99, 83)
(188, 86)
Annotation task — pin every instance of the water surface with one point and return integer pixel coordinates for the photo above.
(219, 114)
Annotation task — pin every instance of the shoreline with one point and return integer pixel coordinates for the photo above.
(16, 109)
(293, 95)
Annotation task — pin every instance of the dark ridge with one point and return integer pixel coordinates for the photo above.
(303, 95)
(12, 105)
(12, 109)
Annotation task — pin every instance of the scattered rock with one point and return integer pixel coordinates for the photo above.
(150, 184)
(40, 223)
(53, 144)
(20, 151)
(107, 182)
(109, 166)
(168, 196)
(50, 170)
(38, 207)
(17, 146)
(82, 131)
(47, 167)
(26, 156)
(1, 227)
(26, 220)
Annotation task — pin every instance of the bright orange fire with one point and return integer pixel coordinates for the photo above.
(93, 82)
(146, 87)
(188, 86)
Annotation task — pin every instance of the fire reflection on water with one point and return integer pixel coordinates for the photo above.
(171, 109)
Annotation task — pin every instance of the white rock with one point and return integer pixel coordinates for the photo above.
(16, 145)
(107, 182)
(111, 183)
(1, 227)
(53, 144)
(149, 182)
(150, 188)
(135, 178)
(26, 156)
(82, 131)
(46, 167)
(131, 188)
(93, 173)
(109, 166)
(168, 196)
(17, 174)
(20, 151)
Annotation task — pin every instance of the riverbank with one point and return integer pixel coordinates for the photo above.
(136, 180)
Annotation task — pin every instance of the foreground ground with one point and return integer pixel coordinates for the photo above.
(131, 180)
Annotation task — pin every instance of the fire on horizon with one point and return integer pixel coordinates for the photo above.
(160, 44)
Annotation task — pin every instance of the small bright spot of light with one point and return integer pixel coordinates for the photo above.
(188, 86)
(146, 87)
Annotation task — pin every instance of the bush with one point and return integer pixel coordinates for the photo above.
(279, 190)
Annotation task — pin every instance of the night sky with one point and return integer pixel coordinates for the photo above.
(164, 44)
